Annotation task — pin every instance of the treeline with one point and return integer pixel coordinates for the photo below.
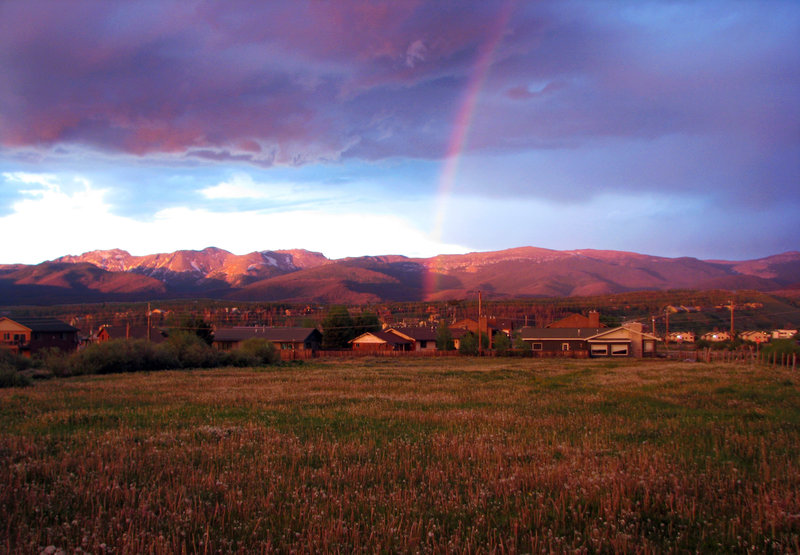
(179, 351)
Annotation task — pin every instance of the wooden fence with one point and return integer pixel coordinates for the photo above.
(745, 356)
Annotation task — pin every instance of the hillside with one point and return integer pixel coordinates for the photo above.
(305, 276)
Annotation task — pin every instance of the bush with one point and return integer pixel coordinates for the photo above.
(187, 350)
(260, 350)
(122, 356)
(10, 377)
(15, 361)
(781, 347)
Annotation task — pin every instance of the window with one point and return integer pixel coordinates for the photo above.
(537, 346)
(6, 336)
(619, 350)
(423, 344)
(599, 350)
(565, 346)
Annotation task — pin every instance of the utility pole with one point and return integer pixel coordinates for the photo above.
(480, 326)
(148, 321)
(666, 330)
(731, 303)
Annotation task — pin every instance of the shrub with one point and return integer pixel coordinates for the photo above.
(56, 361)
(122, 356)
(781, 347)
(260, 350)
(188, 350)
(15, 361)
(10, 377)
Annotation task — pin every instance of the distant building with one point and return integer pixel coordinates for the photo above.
(382, 341)
(591, 320)
(625, 341)
(284, 339)
(783, 334)
(424, 337)
(681, 337)
(27, 336)
(716, 336)
(755, 336)
(127, 332)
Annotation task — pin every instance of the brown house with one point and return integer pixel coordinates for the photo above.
(284, 339)
(27, 336)
(625, 341)
(424, 338)
(382, 341)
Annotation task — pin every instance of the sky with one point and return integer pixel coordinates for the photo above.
(356, 128)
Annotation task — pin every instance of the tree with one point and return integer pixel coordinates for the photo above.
(337, 328)
(519, 343)
(365, 322)
(502, 343)
(469, 343)
(444, 338)
(197, 326)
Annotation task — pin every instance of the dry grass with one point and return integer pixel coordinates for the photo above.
(406, 455)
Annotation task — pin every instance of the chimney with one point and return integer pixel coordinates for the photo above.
(594, 319)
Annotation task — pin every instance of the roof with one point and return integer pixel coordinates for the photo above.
(555, 334)
(385, 336)
(559, 333)
(417, 333)
(270, 334)
(45, 325)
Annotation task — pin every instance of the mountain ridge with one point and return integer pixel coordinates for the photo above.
(299, 275)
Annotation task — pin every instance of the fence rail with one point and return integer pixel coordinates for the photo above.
(745, 356)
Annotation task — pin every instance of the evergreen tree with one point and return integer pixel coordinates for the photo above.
(444, 338)
(502, 343)
(337, 328)
(365, 322)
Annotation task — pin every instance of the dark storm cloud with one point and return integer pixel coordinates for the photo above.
(629, 95)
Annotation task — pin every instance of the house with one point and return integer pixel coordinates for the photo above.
(382, 341)
(592, 320)
(423, 338)
(783, 334)
(716, 336)
(27, 336)
(627, 340)
(284, 339)
(755, 336)
(128, 332)
(681, 337)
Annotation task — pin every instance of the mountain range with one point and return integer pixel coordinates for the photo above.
(305, 276)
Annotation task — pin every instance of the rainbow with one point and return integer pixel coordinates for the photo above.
(461, 126)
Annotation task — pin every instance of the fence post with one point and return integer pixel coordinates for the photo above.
(794, 361)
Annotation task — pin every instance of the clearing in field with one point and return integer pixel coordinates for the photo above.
(402, 455)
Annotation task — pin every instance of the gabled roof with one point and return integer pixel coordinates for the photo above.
(529, 334)
(628, 330)
(270, 334)
(53, 325)
(416, 333)
(384, 337)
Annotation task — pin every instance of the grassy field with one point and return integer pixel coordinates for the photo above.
(401, 455)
